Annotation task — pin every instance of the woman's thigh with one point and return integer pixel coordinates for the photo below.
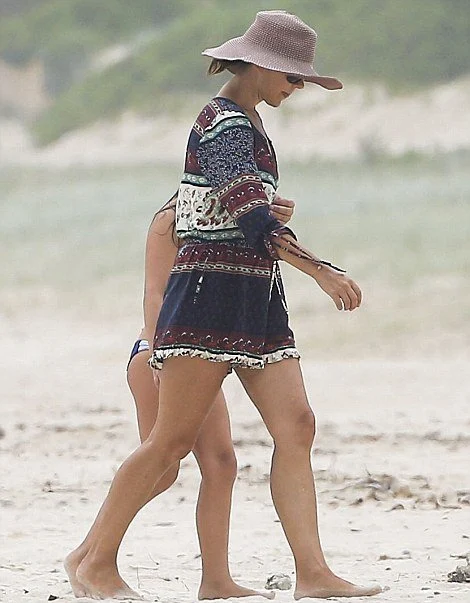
(187, 391)
(278, 392)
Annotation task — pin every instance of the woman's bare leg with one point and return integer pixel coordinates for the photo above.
(279, 394)
(217, 462)
(188, 387)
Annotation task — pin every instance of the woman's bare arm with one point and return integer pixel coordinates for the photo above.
(344, 292)
(160, 254)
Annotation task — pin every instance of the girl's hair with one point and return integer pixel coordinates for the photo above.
(218, 65)
(171, 204)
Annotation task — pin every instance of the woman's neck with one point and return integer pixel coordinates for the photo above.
(241, 89)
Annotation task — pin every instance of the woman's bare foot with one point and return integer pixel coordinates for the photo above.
(225, 590)
(71, 563)
(328, 585)
(104, 582)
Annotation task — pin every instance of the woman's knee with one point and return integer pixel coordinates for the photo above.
(218, 465)
(172, 450)
(298, 431)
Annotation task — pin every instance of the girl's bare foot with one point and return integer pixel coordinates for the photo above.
(104, 582)
(328, 585)
(71, 563)
(229, 589)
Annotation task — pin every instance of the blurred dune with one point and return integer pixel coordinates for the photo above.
(362, 121)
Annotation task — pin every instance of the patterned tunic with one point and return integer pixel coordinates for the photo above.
(225, 300)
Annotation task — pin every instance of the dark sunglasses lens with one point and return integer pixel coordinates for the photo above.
(294, 79)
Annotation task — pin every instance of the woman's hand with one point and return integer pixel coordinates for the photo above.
(282, 209)
(343, 290)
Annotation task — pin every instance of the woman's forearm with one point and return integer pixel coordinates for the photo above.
(344, 292)
(292, 252)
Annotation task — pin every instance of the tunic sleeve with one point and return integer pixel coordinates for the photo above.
(226, 157)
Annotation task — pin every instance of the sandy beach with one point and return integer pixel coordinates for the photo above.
(380, 176)
(390, 458)
(389, 384)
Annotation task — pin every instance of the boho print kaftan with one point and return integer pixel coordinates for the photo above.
(225, 300)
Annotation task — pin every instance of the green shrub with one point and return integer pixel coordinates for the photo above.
(398, 42)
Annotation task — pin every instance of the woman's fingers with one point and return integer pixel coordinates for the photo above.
(344, 292)
(358, 292)
(351, 299)
(338, 301)
(282, 213)
(347, 301)
(282, 209)
(278, 200)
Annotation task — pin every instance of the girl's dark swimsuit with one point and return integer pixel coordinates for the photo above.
(141, 345)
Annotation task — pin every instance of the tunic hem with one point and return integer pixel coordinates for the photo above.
(236, 359)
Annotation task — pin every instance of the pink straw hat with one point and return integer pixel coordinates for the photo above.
(279, 41)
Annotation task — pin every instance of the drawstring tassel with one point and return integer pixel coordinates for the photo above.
(293, 248)
(198, 287)
(199, 282)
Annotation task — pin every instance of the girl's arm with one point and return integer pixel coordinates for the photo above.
(160, 254)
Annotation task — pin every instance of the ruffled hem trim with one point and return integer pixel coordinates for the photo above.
(235, 359)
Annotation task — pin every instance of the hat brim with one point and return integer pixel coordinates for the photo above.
(239, 49)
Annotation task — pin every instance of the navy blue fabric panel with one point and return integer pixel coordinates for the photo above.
(219, 303)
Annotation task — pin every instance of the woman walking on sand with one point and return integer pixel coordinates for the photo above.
(224, 308)
(213, 448)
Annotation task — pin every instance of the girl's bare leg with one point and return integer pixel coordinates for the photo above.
(188, 387)
(279, 394)
(217, 462)
(216, 458)
(145, 393)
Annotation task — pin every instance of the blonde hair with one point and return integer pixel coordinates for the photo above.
(219, 65)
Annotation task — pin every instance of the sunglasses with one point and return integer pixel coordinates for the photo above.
(294, 79)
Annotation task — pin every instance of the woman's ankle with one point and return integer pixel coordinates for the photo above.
(97, 561)
(216, 580)
(77, 554)
(313, 572)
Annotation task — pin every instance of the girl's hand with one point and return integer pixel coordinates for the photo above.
(343, 290)
(282, 209)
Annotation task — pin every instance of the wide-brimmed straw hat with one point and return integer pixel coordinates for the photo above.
(279, 41)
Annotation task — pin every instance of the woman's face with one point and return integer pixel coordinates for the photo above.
(275, 86)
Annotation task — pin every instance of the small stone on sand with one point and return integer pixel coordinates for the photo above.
(278, 582)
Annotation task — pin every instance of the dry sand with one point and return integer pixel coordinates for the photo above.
(391, 461)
